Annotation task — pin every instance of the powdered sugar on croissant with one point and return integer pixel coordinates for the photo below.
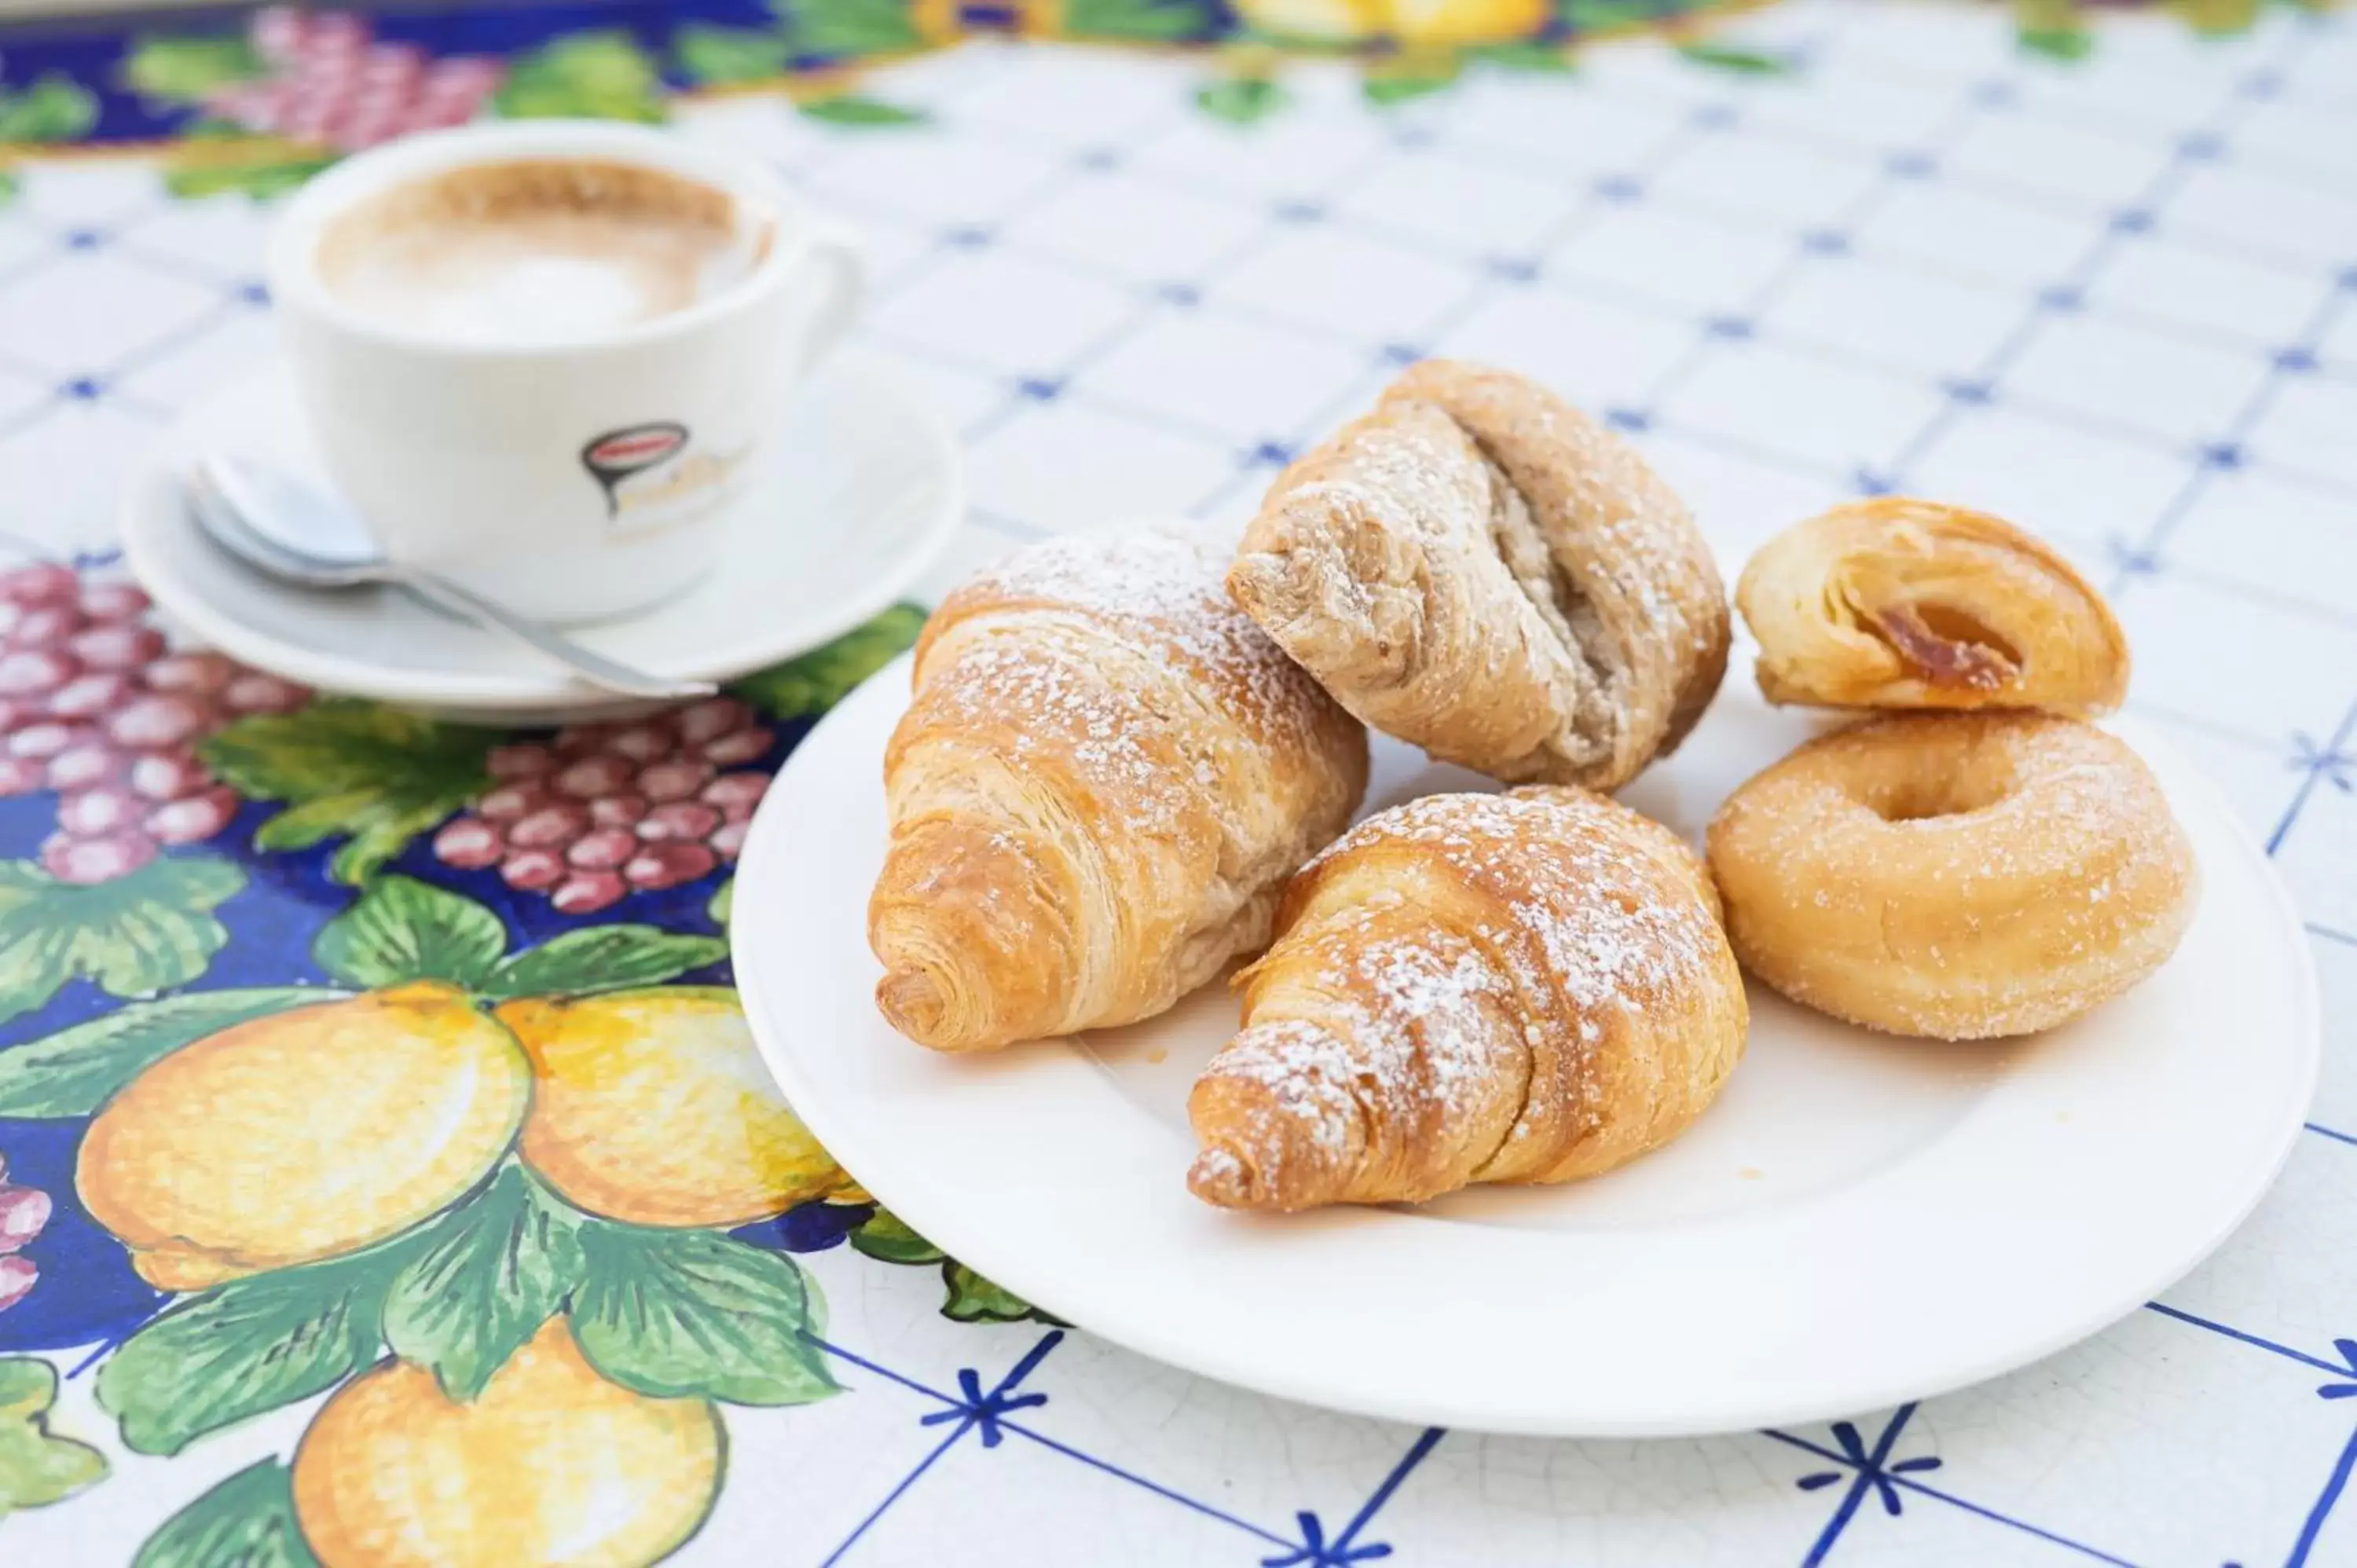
(1104, 777)
(1531, 987)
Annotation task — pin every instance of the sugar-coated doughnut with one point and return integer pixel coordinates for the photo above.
(1954, 876)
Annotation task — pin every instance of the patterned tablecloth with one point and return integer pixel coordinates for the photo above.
(390, 1180)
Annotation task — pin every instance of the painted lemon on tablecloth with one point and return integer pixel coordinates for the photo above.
(653, 1107)
(302, 1134)
(549, 1464)
(1409, 21)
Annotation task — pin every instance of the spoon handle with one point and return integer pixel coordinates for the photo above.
(594, 668)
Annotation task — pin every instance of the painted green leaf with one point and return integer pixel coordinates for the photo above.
(491, 1271)
(729, 55)
(2057, 43)
(261, 170)
(1148, 21)
(403, 929)
(55, 108)
(602, 957)
(1740, 61)
(248, 1346)
(1385, 91)
(188, 70)
(1241, 99)
(850, 27)
(723, 903)
(375, 774)
(850, 108)
(801, 688)
(76, 1071)
(596, 76)
(36, 1468)
(1605, 15)
(1522, 55)
(136, 935)
(673, 1312)
(247, 1521)
(974, 1299)
(887, 1237)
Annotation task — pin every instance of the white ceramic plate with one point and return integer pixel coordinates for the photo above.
(864, 493)
(1859, 1220)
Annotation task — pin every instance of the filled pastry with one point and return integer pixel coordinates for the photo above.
(1481, 569)
(1909, 604)
(1103, 779)
(1527, 987)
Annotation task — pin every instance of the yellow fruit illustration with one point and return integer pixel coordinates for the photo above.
(653, 1106)
(550, 1463)
(1465, 21)
(1337, 20)
(1410, 21)
(302, 1134)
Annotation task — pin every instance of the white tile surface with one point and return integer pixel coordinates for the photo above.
(1007, 255)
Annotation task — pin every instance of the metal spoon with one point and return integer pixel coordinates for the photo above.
(281, 526)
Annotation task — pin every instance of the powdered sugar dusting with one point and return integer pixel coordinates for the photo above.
(1428, 1032)
(1163, 586)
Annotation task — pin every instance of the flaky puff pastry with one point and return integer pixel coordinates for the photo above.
(1103, 779)
(1481, 569)
(1897, 603)
(1527, 987)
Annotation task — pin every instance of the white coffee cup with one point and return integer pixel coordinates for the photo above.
(571, 460)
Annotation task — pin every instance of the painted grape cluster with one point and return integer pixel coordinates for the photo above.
(97, 707)
(603, 810)
(24, 1210)
(330, 82)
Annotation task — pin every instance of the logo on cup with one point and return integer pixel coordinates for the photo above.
(619, 454)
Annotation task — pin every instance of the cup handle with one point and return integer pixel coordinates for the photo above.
(845, 288)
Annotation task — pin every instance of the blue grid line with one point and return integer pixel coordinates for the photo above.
(2320, 1130)
(2254, 1340)
(2243, 425)
(2326, 762)
(1672, 143)
(2076, 280)
(1873, 1474)
(1156, 1487)
(2313, 1525)
(1777, 284)
(898, 1492)
(978, 1411)
(1672, 146)
(2329, 934)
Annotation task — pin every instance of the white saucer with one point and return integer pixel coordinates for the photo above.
(865, 491)
(1859, 1221)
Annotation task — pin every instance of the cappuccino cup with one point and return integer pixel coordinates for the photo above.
(544, 357)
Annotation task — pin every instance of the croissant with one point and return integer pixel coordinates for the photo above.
(1103, 780)
(1528, 987)
(1480, 568)
(1909, 604)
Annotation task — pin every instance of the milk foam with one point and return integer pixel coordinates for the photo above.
(534, 253)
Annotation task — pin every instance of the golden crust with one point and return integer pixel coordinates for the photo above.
(1104, 777)
(1528, 987)
(1956, 876)
(1897, 603)
(1481, 569)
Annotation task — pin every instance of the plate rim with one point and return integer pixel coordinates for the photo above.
(141, 525)
(1275, 1377)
